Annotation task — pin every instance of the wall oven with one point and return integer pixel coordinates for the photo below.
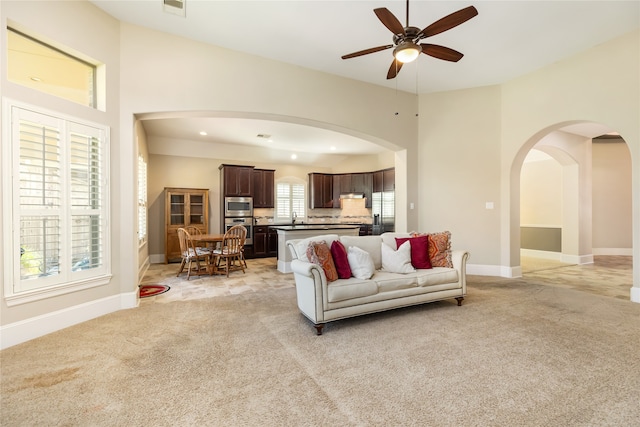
(238, 207)
(248, 224)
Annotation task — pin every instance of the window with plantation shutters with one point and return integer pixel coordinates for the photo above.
(58, 195)
(290, 198)
(142, 200)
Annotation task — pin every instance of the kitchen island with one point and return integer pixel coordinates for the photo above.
(302, 231)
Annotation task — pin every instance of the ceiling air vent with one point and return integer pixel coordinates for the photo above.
(175, 7)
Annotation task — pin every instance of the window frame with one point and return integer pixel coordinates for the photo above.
(67, 281)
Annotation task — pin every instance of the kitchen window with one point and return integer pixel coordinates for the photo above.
(58, 212)
(290, 198)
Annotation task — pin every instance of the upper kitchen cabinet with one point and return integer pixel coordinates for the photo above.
(263, 188)
(389, 179)
(320, 190)
(384, 180)
(236, 180)
(357, 183)
(184, 207)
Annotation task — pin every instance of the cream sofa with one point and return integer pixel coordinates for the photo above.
(323, 302)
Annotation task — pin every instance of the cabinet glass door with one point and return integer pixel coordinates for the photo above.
(177, 209)
(196, 209)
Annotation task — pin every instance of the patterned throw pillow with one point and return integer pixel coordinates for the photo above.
(439, 248)
(339, 253)
(419, 250)
(320, 254)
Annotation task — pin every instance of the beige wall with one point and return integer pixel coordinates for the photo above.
(541, 193)
(612, 199)
(86, 29)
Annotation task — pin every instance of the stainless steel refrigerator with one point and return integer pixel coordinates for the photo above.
(383, 211)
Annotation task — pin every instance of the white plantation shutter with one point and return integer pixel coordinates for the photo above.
(58, 198)
(142, 199)
(290, 197)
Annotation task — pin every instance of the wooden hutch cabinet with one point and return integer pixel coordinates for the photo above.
(183, 207)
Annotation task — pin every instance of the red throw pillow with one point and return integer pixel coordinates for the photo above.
(339, 253)
(419, 250)
(320, 254)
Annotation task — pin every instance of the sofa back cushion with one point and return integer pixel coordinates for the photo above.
(301, 245)
(369, 244)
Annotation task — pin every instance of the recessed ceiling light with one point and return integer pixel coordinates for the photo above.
(36, 79)
(203, 133)
(294, 156)
(332, 148)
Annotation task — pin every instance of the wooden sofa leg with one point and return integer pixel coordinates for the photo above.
(459, 299)
(319, 328)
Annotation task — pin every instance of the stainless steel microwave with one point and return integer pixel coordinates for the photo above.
(238, 207)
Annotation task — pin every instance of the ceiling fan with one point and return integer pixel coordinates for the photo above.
(406, 39)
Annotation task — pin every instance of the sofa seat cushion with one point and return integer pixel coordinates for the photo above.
(387, 281)
(436, 276)
(344, 289)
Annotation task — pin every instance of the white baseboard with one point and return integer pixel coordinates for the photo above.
(494, 270)
(558, 256)
(613, 251)
(25, 330)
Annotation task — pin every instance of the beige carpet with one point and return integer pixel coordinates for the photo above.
(515, 354)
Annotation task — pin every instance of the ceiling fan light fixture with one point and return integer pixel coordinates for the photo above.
(407, 51)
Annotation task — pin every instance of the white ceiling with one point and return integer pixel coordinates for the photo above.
(506, 40)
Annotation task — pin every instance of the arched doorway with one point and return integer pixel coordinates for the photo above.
(589, 206)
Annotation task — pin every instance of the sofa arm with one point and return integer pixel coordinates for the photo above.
(459, 261)
(311, 284)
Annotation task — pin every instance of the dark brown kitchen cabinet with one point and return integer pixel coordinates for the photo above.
(384, 180)
(260, 241)
(263, 188)
(389, 179)
(357, 183)
(265, 241)
(321, 190)
(272, 242)
(237, 180)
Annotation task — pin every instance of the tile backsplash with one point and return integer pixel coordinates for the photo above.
(352, 211)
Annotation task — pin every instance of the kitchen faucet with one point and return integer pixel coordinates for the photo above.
(294, 217)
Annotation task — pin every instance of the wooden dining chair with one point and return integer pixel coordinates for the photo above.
(192, 254)
(231, 250)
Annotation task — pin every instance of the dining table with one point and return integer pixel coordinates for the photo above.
(210, 241)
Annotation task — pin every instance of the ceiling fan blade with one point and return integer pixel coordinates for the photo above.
(389, 20)
(441, 52)
(394, 69)
(367, 51)
(449, 21)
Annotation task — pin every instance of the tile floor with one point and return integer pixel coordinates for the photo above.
(609, 276)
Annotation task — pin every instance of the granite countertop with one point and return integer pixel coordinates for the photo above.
(313, 227)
